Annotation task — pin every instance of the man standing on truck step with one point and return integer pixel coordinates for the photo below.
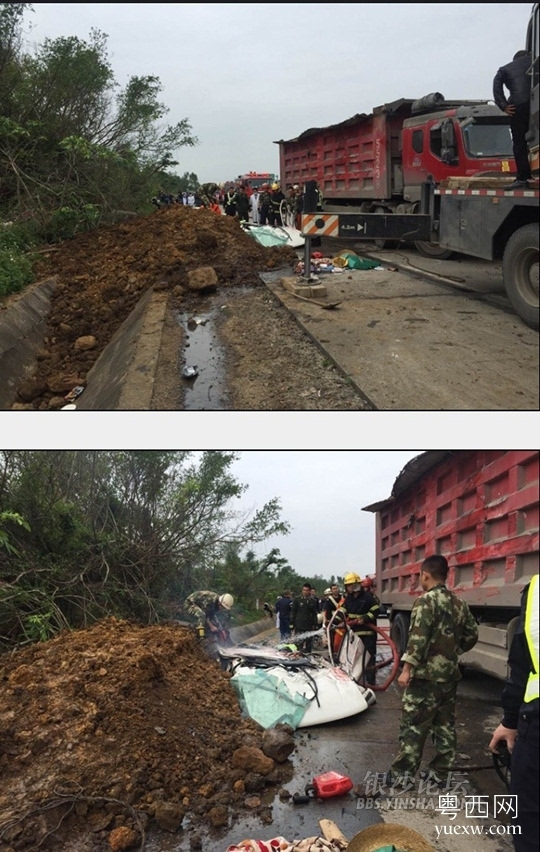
(518, 82)
(520, 725)
(442, 628)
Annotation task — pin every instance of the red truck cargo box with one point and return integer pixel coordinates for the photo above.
(478, 508)
(352, 159)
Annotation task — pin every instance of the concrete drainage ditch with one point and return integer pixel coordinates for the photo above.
(123, 376)
(22, 327)
(203, 362)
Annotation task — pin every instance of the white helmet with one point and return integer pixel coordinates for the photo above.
(226, 601)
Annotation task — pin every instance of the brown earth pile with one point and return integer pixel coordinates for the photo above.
(118, 728)
(102, 275)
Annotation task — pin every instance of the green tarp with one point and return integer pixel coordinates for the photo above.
(267, 700)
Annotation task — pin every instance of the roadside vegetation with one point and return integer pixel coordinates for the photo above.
(89, 534)
(76, 149)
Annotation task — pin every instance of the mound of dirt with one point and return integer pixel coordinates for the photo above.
(113, 729)
(102, 275)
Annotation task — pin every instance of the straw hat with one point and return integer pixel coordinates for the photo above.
(387, 834)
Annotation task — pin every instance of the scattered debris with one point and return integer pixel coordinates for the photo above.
(190, 372)
(73, 394)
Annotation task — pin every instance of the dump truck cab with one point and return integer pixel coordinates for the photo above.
(463, 138)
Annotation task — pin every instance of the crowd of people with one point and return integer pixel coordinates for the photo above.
(259, 205)
(300, 617)
(209, 195)
(264, 205)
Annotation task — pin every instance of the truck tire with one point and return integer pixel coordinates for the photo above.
(384, 244)
(520, 274)
(399, 631)
(432, 250)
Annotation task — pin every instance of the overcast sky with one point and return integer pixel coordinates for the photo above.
(247, 74)
(322, 495)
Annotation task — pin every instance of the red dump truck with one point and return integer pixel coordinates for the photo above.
(437, 179)
(378, 162)
(479, 508)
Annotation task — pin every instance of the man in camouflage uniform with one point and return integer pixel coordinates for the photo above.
(210, 612)
(207, 192)
(442, 628)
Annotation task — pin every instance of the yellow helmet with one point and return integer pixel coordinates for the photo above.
(351, 578)
(275, 186)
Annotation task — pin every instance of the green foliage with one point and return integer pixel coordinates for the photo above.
(15, 262)
(65, 222)
(15, 518)
(129, 533)
(187, 181)
(15, 271)
(74, 145)
(38, 627)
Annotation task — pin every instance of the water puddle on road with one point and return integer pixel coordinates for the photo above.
(205, 358)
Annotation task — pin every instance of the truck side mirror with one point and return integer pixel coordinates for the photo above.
(448, 142)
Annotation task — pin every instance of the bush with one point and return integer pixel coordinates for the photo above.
(15, 265)
(67, 221)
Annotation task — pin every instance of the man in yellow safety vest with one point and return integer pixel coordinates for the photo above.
(519, 727)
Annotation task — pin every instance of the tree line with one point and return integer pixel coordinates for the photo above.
(75, 147)
(88, 534)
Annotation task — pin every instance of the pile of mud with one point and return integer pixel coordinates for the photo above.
(119, 728)
(102, 275)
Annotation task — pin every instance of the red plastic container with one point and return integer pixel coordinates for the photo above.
(329, 784)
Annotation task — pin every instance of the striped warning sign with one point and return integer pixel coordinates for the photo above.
(320, 224)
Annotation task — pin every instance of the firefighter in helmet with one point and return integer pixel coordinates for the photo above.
(369, 586)
(275, 206)
(211, 613)
(361, 610)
